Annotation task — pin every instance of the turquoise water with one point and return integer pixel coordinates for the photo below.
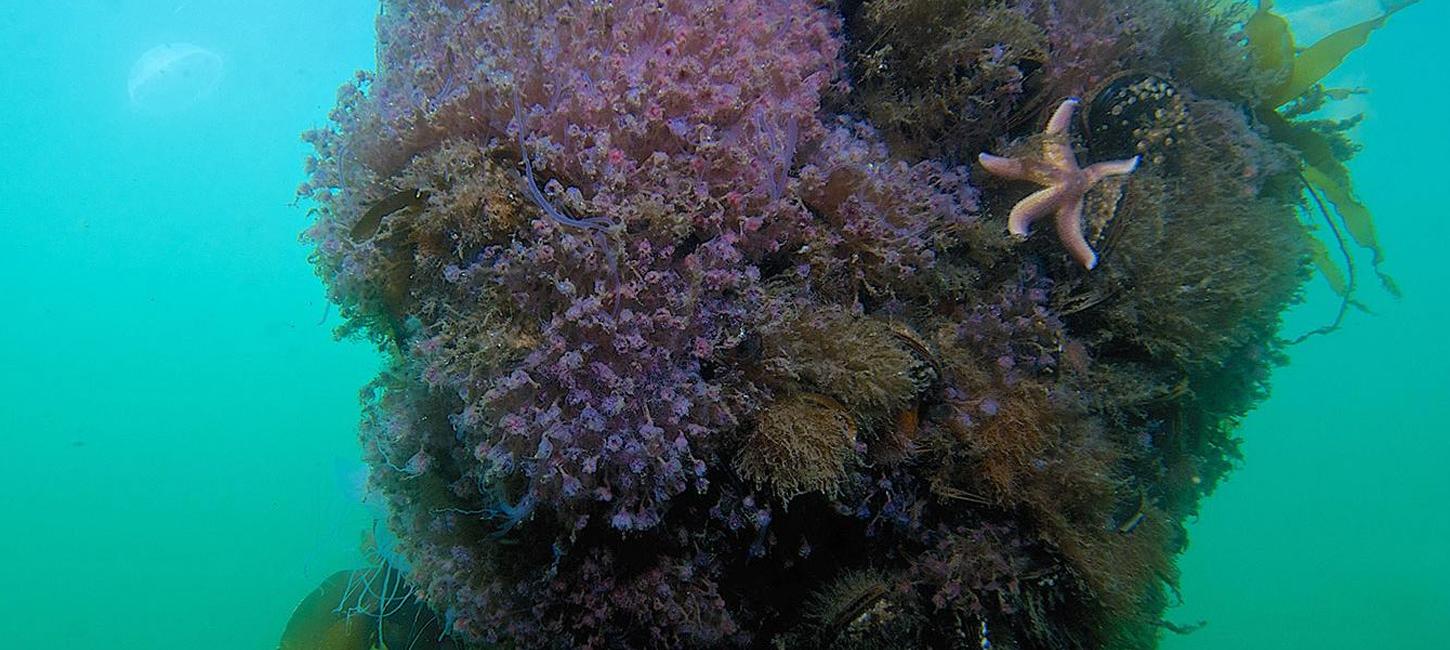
(178, 425)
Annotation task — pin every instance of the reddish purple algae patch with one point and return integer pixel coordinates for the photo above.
(704, 331)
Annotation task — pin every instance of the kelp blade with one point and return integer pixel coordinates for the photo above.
(1355, 216)
(317, 625)
(1319, 254)
(1314, 147)
(1321, 58)
(1270, 42)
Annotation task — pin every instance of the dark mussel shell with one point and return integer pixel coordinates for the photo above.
(1135, 113)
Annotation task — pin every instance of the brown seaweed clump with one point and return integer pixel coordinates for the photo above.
(800, 444)
(938, 75)
(863, 362)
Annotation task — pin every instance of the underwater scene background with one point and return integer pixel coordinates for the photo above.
(181, 457)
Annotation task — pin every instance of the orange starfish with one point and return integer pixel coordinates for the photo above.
(1065, 184)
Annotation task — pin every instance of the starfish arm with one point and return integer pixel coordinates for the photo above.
(1069, 230)
(1029, 209)
(1061, 118)
(1058, 148)
(1099, 171)
(1009, 168)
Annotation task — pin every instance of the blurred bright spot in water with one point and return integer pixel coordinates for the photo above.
(173, 77)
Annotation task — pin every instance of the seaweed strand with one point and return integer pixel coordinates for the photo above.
(1347, 300)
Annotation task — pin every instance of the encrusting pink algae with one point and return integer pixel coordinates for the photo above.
(705, 329)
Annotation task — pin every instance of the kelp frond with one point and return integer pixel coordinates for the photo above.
(1299, 71)
(1293, 74)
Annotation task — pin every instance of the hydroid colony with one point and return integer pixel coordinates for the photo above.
(706, 327)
